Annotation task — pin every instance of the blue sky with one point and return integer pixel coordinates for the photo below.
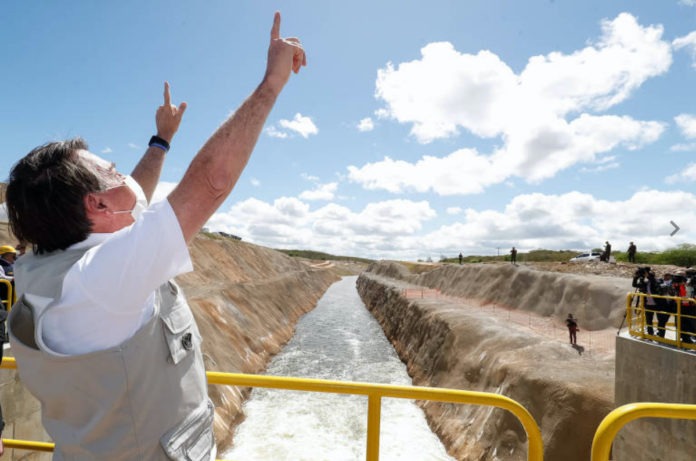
(418, 129)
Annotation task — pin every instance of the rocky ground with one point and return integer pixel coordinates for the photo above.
(618, 269)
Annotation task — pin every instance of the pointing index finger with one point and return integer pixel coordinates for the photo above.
(275, 30)
(167, 97)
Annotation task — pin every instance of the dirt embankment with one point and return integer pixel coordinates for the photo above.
(246, 300)
(446, 342)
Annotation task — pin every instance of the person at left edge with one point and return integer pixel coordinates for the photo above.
(102, 336)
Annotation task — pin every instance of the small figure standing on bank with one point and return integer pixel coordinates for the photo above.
(572, 325)
(513, 255)
(632, 253)
(461, 258)
(607, 252)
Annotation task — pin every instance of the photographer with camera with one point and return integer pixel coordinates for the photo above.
(669, 306)
(645, 282)
(688, 310)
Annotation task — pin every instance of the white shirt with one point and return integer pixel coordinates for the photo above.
(110, 292)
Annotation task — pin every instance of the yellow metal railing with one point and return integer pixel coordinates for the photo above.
(614, 421)
(636, 322)
(374, 393)
(7, 303)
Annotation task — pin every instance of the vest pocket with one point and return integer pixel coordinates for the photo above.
(179, 333)
(192, 439)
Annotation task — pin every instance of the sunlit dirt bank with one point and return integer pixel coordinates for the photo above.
(246, 300)
(446, 342)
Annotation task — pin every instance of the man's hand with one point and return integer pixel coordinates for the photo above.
(284, 55)
(168, 116)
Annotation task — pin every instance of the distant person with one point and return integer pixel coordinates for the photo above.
(644, 281)
(607, 252)
(513, 255)
(667, 307)
(572, 325)
(8, 256)
(631, 252)
(461, 258)
(684, 289)
(102, 335)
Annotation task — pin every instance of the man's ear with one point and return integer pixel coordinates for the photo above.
(94, 203)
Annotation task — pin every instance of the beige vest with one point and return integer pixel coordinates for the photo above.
(145, 399)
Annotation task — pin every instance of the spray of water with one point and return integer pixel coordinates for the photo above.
(338, 340)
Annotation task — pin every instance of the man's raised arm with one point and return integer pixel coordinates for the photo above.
(215, 169)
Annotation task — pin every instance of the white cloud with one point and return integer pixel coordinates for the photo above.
(162, 190)
(106, 150)
(274, 133)
(395, 229)
(687, 125)
(688, 147)
(309, 177)
(321, 192)
(133, 145)
(255, 182)
(548, 117)
(604, 164)
(366, 124)
(688, 42)
(544, 154)
(446, 176)
(572, 221)
(301, 125)
(378, 230)
(453, 210)
(687, 2)
(687, 175)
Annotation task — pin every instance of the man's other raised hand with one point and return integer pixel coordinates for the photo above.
(168, 116)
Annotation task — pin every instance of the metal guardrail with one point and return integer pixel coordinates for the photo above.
(637, 326)
(7, 303)
(615, 420)
(374, 393)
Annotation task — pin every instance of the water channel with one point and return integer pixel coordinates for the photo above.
(338, 340)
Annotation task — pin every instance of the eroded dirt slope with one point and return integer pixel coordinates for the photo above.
(446, 342)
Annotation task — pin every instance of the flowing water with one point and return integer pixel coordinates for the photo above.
(338, 340)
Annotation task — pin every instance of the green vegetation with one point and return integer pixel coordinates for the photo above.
(684, 255)
(532, 256)
(318, 255)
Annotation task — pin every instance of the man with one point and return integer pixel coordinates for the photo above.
(632, 253)
(102, 336)
(513, 255)
(607, 252)
(8, 256)
(667, 307)
(572, 325)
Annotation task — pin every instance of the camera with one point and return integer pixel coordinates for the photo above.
(641, 272)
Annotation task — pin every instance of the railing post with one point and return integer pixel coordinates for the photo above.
(374, 409)
(679, 323)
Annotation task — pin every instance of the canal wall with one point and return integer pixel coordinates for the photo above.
(444, 344)
(651, 372)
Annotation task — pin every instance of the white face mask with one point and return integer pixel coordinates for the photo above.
(140, 199)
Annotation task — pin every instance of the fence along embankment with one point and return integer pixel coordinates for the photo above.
(446, 343)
